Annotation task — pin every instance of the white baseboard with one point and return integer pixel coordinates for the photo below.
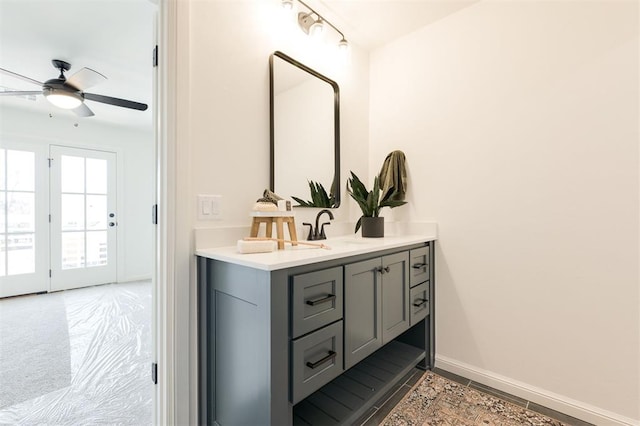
(131, 279)
(563, 404)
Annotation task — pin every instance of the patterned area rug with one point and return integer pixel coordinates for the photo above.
(439, 401)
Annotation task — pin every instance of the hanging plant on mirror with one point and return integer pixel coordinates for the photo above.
(319, 197)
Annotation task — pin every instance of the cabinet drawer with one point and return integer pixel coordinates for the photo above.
(316, 360)
(316, 300)
(419, 266)
(419, 302)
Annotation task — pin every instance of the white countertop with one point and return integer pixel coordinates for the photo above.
(303, 255)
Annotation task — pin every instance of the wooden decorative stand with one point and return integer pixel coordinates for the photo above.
(279, 218)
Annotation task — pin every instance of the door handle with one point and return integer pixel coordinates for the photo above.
(112, 224)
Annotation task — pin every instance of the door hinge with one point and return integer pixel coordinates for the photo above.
(154, 214)
(49, 273)
(155, 56)
(154, 373)
(49, 218)
(50, 161)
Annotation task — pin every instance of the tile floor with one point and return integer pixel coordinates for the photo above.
(387, 402)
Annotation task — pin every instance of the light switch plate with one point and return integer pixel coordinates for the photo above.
(209, 207)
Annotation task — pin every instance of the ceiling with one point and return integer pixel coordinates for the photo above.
(372, 23)
(114, 37)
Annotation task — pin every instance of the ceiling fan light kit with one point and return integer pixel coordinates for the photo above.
(69, 93)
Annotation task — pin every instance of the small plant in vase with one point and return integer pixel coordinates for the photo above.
(371, 203)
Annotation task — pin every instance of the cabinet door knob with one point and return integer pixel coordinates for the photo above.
(330, 355)
(387, 269)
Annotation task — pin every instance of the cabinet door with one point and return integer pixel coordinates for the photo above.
(363, 306)
(395, 296)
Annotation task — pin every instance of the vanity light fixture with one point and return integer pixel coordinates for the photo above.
(312, 22)
(287, 4)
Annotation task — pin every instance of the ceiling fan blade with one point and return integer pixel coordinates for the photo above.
(85, 78)
(83, 111)
(21, 77)
(21, 93)
(116, 101)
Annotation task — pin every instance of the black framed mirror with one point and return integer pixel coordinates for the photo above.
(304, 134)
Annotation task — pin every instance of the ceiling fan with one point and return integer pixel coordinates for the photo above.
(68, 93)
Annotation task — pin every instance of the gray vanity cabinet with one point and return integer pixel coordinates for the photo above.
(363, 306)
(376, 304)
(315, 343)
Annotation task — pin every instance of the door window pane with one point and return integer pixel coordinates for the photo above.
(20, 171)
(96, 212)
(2, 169)
(72, 212)
(96, 248)
(3, 212)
(20, 212)
(96, 176)
(21, 254)
(3, 256)
(72, 250)
(72, 174)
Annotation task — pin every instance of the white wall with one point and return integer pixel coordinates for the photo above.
(223, 134)
(520, 125)
(228, 120)
(134, 148)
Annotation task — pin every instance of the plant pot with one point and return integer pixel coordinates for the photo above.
(373, 227)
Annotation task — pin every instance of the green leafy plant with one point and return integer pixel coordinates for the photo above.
(319, 197)
(370, 202)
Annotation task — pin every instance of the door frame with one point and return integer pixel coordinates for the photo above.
(175, 394)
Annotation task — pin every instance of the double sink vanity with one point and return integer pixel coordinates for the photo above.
(309, 335)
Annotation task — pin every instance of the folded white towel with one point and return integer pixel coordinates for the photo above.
(262, 246)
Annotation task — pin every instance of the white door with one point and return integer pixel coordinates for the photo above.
(24, 264)
(83, 217)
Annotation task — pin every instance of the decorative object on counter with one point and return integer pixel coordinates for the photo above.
(319, 197)
(294, 243)
(265, 205)
(371, 203)
(283, 205)
(393, 174)
(279, 218)
(256, 246)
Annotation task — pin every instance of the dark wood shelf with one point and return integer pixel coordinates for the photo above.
(350, 395)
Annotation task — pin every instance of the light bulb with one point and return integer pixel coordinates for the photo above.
(64, 100)
(343, 45)
(316, 29)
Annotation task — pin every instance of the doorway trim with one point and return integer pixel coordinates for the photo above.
(175, 401)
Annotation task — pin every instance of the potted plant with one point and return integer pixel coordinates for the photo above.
(371, 203)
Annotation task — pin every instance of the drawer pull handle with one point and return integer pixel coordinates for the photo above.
(419, 265)
(422, 302)
(331, 355)
(329, 298)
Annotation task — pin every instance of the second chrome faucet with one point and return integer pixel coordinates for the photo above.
(317, 233)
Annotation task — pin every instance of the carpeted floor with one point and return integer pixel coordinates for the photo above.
(436, 400)
(77, 357)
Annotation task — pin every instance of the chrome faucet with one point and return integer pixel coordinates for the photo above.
(318, 232)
